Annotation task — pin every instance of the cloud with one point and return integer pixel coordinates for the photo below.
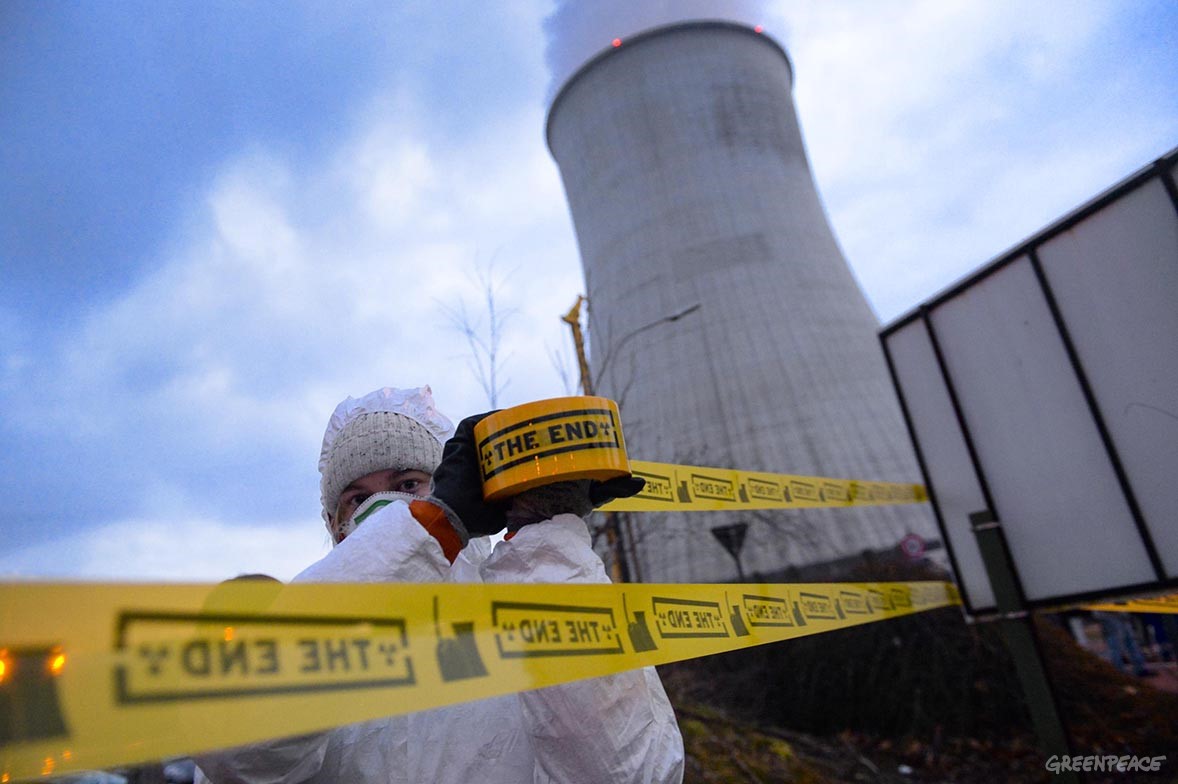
(204, 388)
(185, 550)
(940, 133)
(193, 399)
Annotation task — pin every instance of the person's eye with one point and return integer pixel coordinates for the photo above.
(409, 485)
(355, 500)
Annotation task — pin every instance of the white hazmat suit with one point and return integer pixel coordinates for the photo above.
(617, 728)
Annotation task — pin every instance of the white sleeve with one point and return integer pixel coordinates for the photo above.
(390, 546)
(616, 728)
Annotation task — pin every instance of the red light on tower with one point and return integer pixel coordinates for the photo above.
(758, 29)
(616, 43)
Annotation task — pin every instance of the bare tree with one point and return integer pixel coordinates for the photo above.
(484, 329)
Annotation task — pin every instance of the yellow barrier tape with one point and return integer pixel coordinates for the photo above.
(101, 675)
(679, 488)
(1158, 604)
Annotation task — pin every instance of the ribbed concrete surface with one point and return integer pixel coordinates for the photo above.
(688, 183)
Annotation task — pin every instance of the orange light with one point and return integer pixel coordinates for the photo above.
(67, 755)
(48, 766)
(758, 29)
(228, 633)
(616, 42)
(5, 779)
(57, 664)
(3, 668)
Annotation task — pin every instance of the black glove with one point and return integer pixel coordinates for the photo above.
(601, 493)
(458, 483)
(578, 497)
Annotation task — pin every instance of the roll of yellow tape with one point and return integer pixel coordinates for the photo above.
(556, 440)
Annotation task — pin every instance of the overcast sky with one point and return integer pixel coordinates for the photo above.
(218, 219)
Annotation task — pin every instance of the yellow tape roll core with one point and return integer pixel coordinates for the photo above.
(556, 440)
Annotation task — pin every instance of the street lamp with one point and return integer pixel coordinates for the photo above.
(613, 350)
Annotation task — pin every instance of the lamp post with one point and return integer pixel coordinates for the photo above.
(613, 350)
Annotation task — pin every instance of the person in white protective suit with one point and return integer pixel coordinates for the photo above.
(400, 511)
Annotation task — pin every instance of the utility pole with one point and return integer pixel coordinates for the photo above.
(1018, 629)
(573, 319)
(620, 568)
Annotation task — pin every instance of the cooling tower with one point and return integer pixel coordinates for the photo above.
(691, 194)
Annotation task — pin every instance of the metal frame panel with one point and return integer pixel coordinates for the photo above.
(944, 453)
(1077, 360)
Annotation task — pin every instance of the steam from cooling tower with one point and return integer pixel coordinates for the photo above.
(579, 29)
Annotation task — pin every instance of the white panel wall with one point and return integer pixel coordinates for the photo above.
(1115, 279)
(1054, 490)
(950, 472)
(1063, 357)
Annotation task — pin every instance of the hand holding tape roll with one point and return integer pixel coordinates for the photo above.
(558, 440)
(525, 464)
(575, 438)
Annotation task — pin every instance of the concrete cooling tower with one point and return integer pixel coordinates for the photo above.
(723, 316)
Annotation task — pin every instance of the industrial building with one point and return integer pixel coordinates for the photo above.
(723, 316)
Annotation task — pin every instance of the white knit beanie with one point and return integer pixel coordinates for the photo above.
(386, 429)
